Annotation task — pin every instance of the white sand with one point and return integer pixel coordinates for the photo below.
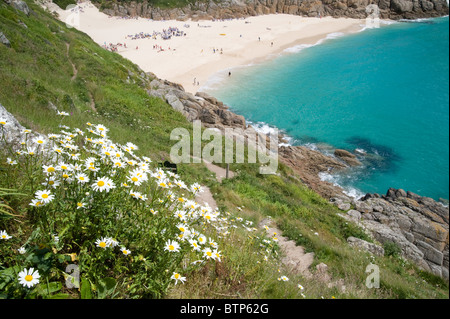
(192, 56)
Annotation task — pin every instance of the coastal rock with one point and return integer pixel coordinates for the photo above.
(401, 6)
(12, 130)
(365, 245)
(4, 40)
(418, 225)
(347, 157)
(232, 9)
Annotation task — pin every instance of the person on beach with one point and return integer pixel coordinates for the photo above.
(229, 73)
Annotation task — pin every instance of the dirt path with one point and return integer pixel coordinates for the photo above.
(75, 71)
(294, 257)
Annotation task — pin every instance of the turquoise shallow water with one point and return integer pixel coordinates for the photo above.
(382, 91)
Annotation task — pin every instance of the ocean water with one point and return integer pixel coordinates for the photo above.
(383, 93)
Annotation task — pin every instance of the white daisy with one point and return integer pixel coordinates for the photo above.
(172, 246)
(177, 277)
(44, 196)
(29, 278)
(4, 235)
(103, 184)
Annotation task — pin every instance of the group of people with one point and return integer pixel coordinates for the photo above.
(114, 47)
(166, 34)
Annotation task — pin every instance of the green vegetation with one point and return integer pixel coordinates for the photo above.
(64, 3)
(50, 66)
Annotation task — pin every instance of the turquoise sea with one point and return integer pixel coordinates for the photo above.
(383, 92)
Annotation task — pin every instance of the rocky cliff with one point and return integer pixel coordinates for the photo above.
(226, 9)
(417, 225)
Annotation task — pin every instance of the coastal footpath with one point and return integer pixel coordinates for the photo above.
(417, 225)
(231, 9)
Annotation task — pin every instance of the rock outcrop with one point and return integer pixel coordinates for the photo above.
(418, 225)
(228, 9)
(4, 40)
(21, 6)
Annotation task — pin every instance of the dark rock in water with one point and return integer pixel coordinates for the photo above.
(4, 40)
(347, 157)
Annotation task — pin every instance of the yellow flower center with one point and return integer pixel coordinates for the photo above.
(44, 196)
(65, 176)
(177, 276)
(209, 253)
(171, 247)
(28, 278)
(101, 183)
(51, 182)
(50, 169)
(102, 244)
(80, 204)
(3, 236)
(3, 123)
(134, 179)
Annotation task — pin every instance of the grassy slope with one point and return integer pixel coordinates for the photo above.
(38, 70)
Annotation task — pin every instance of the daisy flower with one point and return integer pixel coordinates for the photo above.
(11, 162)
(194, 245)
(44, 196)
(177, 277)
(101, 129)
(103, 242)
(22, 250)
(125, 251)
(202, 239)
(4, 235)
(82, 178)
(29, 278)
(208, 253)
(50, 169)
(62, 113)
(36, 203)
(81, 205)
(103, 184)
(172, 246)
(112, 242)
(3, 121)
(132, 146)
(283, 278)
(52, 181)
(39, 140)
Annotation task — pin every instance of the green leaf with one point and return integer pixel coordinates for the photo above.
(86, 291)
(106, 287)
(52, 287)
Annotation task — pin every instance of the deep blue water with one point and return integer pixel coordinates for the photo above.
(382, 91)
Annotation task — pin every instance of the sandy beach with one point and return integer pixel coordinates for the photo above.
(203, 48)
